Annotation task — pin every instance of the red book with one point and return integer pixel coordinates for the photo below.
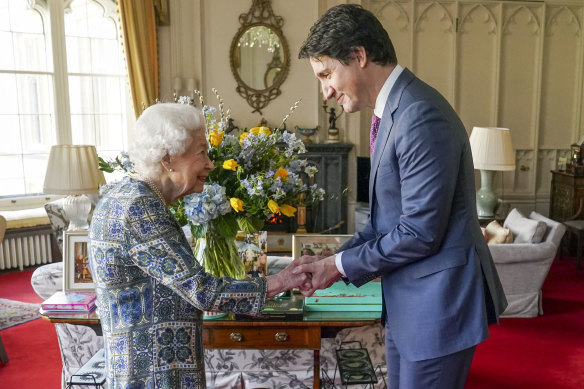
(70, 301)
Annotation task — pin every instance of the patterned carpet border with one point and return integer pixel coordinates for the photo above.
(16, 312)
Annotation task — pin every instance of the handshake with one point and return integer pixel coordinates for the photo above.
(308, 273)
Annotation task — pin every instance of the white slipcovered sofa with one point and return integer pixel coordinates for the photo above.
(524, 264)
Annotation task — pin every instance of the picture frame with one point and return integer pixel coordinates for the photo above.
(76, 270)
(253, 251)
(317, 244)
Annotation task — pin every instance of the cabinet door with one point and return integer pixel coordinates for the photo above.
(329, 216)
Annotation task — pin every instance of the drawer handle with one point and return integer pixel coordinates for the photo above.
(281, 336)
(236, 337)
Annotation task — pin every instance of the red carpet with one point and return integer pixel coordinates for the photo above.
(546, 352)
(35, 359)
(33, 350)
(16, 286)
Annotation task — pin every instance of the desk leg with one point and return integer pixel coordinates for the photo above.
(3, 355)
(316, 383)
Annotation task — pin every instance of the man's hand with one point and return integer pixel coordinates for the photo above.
(324, 273)
(286, 280)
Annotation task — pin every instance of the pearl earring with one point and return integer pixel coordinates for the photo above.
(171, 170)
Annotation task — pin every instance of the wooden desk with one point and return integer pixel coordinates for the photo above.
(229, 333)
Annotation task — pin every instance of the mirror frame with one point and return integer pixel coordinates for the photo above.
(260, 14)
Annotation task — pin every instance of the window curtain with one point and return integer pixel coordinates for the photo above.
(138, 20)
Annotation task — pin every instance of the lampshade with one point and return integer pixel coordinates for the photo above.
(492, 148)
(73, 170)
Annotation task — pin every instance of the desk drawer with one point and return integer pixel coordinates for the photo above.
(262, 338)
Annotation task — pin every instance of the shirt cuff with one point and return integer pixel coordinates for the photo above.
(339, 263)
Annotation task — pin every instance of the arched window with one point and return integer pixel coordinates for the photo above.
(27, 112)
(97, 77)
(63, 80)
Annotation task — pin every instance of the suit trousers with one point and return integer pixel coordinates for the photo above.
(446, 372)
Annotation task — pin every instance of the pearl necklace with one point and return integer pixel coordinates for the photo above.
(153, 187)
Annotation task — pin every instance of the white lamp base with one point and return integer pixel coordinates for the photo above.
(77, 209)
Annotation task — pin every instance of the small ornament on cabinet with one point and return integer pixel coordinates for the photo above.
(307, 133)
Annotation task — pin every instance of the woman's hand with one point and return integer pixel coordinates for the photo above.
(323, 272)
(286, 280)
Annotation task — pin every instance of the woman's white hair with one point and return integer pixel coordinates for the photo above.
(163, 129)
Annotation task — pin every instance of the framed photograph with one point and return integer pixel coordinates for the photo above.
(76, 270)
(317, 244)
(253, 249)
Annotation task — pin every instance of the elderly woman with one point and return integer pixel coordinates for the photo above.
(151, 290)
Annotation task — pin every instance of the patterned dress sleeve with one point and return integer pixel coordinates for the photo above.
(157, 245)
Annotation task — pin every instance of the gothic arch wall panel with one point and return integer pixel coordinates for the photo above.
(562, 56)
(520, 55)
(396, 18)
(434, 40)
(476, 87)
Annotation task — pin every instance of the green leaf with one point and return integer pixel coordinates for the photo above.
(250, 223)
(104, 166)
(225, 226)
(198, 231)
(178, 211)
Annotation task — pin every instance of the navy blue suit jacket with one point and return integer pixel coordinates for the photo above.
(440, 286)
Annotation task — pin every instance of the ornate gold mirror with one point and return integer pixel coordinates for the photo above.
(259, 55)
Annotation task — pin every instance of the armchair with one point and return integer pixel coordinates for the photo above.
(78, 343)
(523, 267)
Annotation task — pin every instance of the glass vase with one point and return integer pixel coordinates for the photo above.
(219, 256)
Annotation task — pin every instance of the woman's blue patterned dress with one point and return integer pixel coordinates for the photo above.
(151, 292)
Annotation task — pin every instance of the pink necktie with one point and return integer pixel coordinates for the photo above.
(374, 130)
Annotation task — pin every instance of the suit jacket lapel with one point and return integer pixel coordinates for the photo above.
(386, 125)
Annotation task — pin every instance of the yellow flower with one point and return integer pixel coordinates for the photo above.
(282, 173)
(242, 136)
(257, 130)
(215, 138)
(288, 210)
(273, 206)
(230, 164)
(236, 204)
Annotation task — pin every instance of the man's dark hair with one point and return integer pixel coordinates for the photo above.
(342, 29)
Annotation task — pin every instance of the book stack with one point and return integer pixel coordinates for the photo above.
(287, 308)
(70, 302)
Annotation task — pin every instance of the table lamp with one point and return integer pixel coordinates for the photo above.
(73, 170)
(492, 151)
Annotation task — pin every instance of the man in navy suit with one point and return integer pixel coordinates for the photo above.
(440, 286)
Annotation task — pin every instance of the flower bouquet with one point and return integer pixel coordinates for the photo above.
(257, 175)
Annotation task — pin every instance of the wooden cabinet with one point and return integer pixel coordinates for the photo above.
(331, 161)
(566, 192)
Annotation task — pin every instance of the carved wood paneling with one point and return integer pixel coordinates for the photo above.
(562, 52)
(478, 40)
(501, 63)
(546, 162)
(434, 45)
(518, 83)
(396, 17)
